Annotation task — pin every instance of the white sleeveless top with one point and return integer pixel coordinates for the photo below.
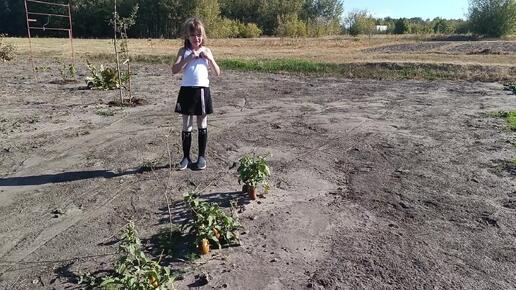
(195, 73)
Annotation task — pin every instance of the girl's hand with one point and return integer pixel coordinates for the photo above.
(193, 55)
(206, 55)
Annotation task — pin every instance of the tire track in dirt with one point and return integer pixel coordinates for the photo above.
(26, 242)
(47, 234)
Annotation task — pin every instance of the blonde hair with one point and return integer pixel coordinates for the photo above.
(193, 26)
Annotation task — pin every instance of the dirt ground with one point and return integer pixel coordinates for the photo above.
(450, 47)
(375, 184)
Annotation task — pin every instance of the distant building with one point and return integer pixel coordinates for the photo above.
(381, 28)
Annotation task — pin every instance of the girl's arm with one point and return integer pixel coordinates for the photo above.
(181, 62)
(209, 56)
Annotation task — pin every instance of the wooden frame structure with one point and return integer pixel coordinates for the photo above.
(29, 14)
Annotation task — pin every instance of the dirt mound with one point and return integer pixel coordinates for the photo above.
(474, 47)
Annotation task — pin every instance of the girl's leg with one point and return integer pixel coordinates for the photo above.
(186, 138)
(202, 129)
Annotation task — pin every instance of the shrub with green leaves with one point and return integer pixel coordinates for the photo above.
(249, 30)
(105, 78)
(133, 270)
(228, 28)
(492, 18)
(291, 26)
(7, 51)
(210, 222)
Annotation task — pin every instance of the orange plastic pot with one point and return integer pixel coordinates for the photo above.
(252, 192)
(154, 283)
(205, 247)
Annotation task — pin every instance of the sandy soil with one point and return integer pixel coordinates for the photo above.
(376, 184)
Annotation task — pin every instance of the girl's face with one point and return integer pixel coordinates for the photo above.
(195, 38)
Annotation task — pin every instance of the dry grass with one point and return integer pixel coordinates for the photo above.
(339, 56)
(330, 50)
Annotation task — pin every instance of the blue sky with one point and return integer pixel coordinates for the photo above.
(410, 8)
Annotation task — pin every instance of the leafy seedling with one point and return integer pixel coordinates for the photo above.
(133, 270)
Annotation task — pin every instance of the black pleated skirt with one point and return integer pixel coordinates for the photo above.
(194, 101)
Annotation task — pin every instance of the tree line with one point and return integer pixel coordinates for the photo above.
(493, 18)
(164, 18)
(250, 18)
(360, 22)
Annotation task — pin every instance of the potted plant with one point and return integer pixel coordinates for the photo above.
(203, 238)
(244, 171)
(253, 171)
(209, 224)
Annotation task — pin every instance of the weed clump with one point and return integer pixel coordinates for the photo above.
(7, 51)
(510, 117)
(510, 87)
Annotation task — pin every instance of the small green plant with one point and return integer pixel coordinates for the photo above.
(105, 78)
(210, 222)
(105, 113)
(510, 87)
(42, 68)
(133, 270)
(68, 72)
(7, 51)
(510, 117)
(253, 171)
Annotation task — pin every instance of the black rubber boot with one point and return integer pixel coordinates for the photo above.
(186, 137)
(203, 140)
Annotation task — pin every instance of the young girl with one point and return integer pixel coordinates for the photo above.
(194, 97)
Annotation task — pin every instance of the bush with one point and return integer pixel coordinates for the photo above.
(227, 28)
(493, 18)
(291, 26)
(317, 28)
(7, 51)
(249, 30)
(105, 78)
(224, 28)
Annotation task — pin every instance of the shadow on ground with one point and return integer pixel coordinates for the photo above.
(72, 176)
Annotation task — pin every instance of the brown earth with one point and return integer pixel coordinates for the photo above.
(449, 47)
(375, 184)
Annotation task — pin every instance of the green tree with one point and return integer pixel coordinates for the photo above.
(12, 18)
(209, 12)
(443, 26)
(401, 26)
(272, 11)
(91, 18)
(493, 18)
(360, 22)
(328, 10)
(242, 10)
